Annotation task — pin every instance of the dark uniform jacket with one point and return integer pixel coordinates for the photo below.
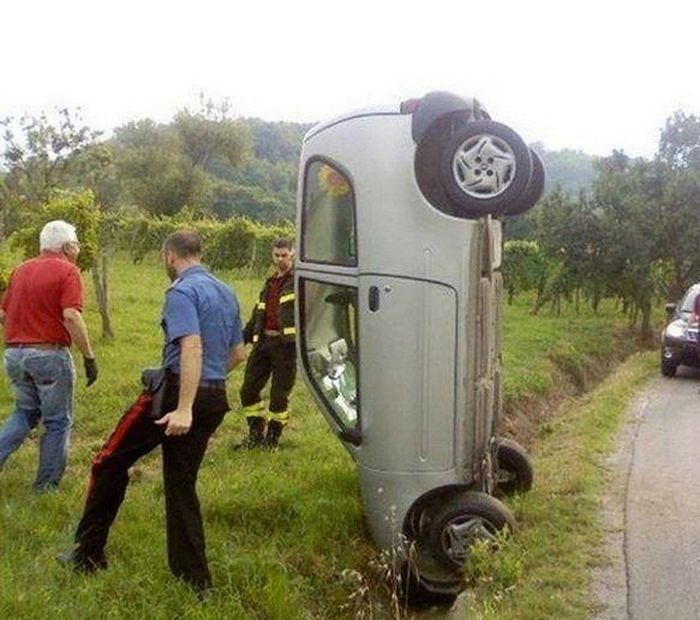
(253, 331)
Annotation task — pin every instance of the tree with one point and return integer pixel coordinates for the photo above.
(39, 153)
(167, 167)
(152, 167)
(628, 196)
(81, 210)
(524, 268)
(679, 145)
(210, 132)
(566, 231)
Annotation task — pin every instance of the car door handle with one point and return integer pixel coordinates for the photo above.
(373, 298)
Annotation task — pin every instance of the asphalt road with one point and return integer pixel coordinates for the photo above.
(653, 508)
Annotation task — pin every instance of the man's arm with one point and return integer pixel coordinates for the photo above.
(248, 329)
(73, 320)
(235, 356)
(178, 422)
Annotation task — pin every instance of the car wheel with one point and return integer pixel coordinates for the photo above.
(418, 595)
(514, 472)
(534, 190)
(668, 369)
(485, 168)
(463, 520)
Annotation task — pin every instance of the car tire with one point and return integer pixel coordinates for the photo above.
(668, 369)
(463, 519)
(417, 595)
(514, 472)
(427, 164)
(534, 190)
(485, 167)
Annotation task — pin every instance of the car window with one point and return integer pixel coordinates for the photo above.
(330, 348)
(328, 216)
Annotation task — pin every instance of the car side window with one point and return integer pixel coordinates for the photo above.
(329, 347)
(329, 232)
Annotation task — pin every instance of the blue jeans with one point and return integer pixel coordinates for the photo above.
(43, 382)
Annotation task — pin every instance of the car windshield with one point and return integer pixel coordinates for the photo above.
(689, 299)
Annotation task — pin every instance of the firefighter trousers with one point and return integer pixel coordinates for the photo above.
(272, 357)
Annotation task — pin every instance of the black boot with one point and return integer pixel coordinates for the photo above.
(274, 430)
(80, 562)
(256, 434)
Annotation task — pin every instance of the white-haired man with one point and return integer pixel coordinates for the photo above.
(41, 315)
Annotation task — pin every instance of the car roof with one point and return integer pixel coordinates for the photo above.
(688, 299)
(383, 110)
(693, 289)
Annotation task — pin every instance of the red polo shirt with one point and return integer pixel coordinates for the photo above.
(40, 289)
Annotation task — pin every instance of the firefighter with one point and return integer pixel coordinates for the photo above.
(271, 332)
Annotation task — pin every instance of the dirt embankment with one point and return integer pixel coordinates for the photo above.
(526, 418)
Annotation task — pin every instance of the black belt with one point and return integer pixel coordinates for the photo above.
(219, 384)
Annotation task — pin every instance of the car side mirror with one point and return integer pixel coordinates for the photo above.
(670, 310)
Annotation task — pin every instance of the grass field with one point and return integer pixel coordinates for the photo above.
(544, 571)
(281, 527)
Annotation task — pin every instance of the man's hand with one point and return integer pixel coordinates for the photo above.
(235, 356)
(90, 370)
(176, 422)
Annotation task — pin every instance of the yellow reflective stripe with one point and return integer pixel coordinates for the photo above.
(261, 305)
(280, 416)
(289, 331)
(286, 298)
(254, 410)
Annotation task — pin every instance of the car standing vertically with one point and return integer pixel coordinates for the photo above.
(399, 313)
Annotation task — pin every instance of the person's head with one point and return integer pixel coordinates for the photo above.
(283, 254)
(60, 236)
(181, 249)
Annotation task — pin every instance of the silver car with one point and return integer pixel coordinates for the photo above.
(399, 317)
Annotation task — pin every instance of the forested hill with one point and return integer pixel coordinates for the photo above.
(569, 169)
(205, 160)
(263, 185)
(266, 183)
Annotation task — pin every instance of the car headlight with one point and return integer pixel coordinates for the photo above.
(676, 330)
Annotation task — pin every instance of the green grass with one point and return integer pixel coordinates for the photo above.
(537, 349)
(543, 572)
(281, 528)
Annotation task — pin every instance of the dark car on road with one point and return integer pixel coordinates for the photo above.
(679, 340)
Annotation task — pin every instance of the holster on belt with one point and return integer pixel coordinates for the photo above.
(153, 380)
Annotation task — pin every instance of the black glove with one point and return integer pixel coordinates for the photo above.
(90, 370)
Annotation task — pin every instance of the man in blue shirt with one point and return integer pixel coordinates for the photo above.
(203, 343)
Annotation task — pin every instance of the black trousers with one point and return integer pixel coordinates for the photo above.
(137, 434)
(270, 357)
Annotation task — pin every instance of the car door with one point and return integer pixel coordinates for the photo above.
(408, 354)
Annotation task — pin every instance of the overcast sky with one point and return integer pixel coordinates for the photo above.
(584, 74)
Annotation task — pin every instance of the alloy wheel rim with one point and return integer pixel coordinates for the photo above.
(484, 166)
(461, 533)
